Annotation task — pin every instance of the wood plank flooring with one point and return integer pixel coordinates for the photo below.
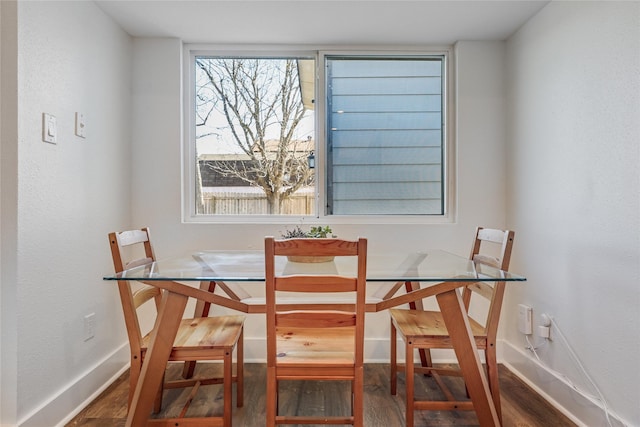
(521, 406)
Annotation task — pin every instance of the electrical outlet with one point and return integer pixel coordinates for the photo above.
(89, 326)
(544, 330)
(524, 319)
(80, 125)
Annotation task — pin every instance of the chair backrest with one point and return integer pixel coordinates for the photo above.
(491, 247)
(137, 245)
(309, 315)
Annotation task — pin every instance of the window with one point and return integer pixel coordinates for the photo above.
(266, 141)
(254, 132)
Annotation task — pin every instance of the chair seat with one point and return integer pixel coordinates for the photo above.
(206, 333)
(304, 346)
(427, 324)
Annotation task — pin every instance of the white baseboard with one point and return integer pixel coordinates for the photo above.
(576, 406)
(71, 400)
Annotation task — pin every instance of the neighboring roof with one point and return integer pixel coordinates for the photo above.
(213, 178)
(307, 76)
(301, 146)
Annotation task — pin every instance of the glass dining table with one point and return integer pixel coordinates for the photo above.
(395, 278)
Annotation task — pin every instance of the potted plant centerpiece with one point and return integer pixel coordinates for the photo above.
(318, 232)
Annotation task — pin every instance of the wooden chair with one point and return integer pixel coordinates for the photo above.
(425, 330)
(321, 341)
(201, 338)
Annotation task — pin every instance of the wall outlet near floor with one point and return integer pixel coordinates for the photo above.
(89, 326)
(524, 319)
(544, 332)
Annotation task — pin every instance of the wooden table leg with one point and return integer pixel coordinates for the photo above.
(425, 355)
(457, 323)
(201, 310)
(202, 307)
(155, 361)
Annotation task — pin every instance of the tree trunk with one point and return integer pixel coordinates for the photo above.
(274, 203)
(199, 201)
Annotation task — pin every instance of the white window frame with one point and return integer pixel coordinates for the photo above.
(188, 148)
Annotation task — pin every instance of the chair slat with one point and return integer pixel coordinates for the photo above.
(315, 247)
(315, 319)
(487, 260)
(131, 237)
(483, 289)
(138, 262)
(491, 235)
(144, 294)
(315, 284)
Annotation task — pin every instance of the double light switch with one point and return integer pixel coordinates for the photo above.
(50, 127)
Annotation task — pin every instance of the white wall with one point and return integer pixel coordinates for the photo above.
(71, 58)
(574, 196)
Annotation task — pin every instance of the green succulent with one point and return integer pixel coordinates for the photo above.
(318, 232)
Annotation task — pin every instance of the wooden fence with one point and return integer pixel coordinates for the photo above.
(237, 203)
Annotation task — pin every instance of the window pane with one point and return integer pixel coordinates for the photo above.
(385, 135)
(254, 133)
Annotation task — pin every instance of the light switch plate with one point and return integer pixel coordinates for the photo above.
(80, 125)
(49, 128)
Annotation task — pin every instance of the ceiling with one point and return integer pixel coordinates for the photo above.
(328, 22)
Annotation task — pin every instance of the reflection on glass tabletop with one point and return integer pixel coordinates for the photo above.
(248, 266)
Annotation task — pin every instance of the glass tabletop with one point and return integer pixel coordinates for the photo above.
(248, 266)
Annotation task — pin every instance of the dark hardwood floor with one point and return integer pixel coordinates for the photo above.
(521, 406)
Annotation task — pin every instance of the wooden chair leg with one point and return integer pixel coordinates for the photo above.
(492, 378)
(271, 398)
(358, 404)
(228, 388)
(408, 373)
(394, 361)
(240, 371)
(425, 358)
(134, 375)
(353, 396)
(188, 370)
